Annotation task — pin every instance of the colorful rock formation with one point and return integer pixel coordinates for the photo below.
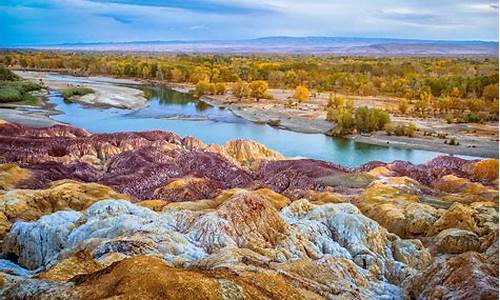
(150, 215)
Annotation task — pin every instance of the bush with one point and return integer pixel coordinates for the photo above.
(241, 89)
(6, 74)
(371, 119)
(15, 91)
(472, 118)
(76, 91)
(220, 88)
(10, 94)
(302, 93)
(403, 106)
(452, 142)
(402, 130)
(258, 89)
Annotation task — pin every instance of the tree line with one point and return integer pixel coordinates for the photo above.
(405, 77)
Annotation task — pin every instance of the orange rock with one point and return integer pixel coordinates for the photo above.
(486, 170)
(145, 277)
(465, 276)
(457, 216)
(464, 191)
(156, 205)
(77, 264)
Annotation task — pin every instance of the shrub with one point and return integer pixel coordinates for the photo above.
(220, 88)
(76, 91)
(241, 89)
(402, 130)
(472, 117)
(201, 88)
(10, 94)
(18, 90)
(258, 89)
(403, 106)
(6, 74)
(302, 93)
(452, 142)
(370, 119)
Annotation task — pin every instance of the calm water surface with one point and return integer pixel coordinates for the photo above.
(179, 113)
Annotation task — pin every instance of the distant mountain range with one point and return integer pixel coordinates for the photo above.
(297, 45)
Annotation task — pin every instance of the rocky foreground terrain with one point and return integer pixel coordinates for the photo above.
(151, 215)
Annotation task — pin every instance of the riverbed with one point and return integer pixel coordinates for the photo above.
(170, 110)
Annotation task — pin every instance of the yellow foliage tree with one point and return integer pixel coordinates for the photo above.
(241, 89)
(302, 93)
(258, 89)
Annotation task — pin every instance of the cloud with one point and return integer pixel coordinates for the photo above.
(484, 8)
(57, 21)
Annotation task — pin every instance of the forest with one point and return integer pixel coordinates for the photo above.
(466, 87)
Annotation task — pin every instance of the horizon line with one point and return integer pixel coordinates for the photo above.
(239, 40)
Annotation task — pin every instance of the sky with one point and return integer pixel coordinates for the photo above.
(44, 22)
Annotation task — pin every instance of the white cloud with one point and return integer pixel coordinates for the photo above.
(122, 20)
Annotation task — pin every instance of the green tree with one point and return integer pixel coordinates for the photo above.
(370, 119)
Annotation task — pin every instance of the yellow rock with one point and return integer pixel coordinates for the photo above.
(156, 205)
(245, 153)
(393, 203)
(10, 174)
(144, 277)
(485, 169)
(323, 197)
(457, 216)
(277, 200)
(380, 172)
(464, 191)
(24, 204)
(77, 264)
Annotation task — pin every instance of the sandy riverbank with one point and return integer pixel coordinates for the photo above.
(107, 91)
(478, 140)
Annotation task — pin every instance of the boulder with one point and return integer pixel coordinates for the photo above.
(465, 276)
(456, 241)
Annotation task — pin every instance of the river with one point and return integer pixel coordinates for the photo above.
(177, 112)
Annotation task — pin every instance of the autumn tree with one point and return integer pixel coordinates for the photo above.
(302, 93)
(202, 88)
(335, 101)
(241, 89)
(220, 88)
(258, 89)
(490, 92)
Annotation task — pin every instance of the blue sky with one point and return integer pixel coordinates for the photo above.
(25, 22)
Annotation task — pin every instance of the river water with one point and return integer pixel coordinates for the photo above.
(177, 112)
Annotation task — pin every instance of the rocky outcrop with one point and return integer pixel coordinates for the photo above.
(395, 204)
(245, 223)
(23, 204)
(150, 215)
(11, 175)
(456, 241)
(466, 276)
